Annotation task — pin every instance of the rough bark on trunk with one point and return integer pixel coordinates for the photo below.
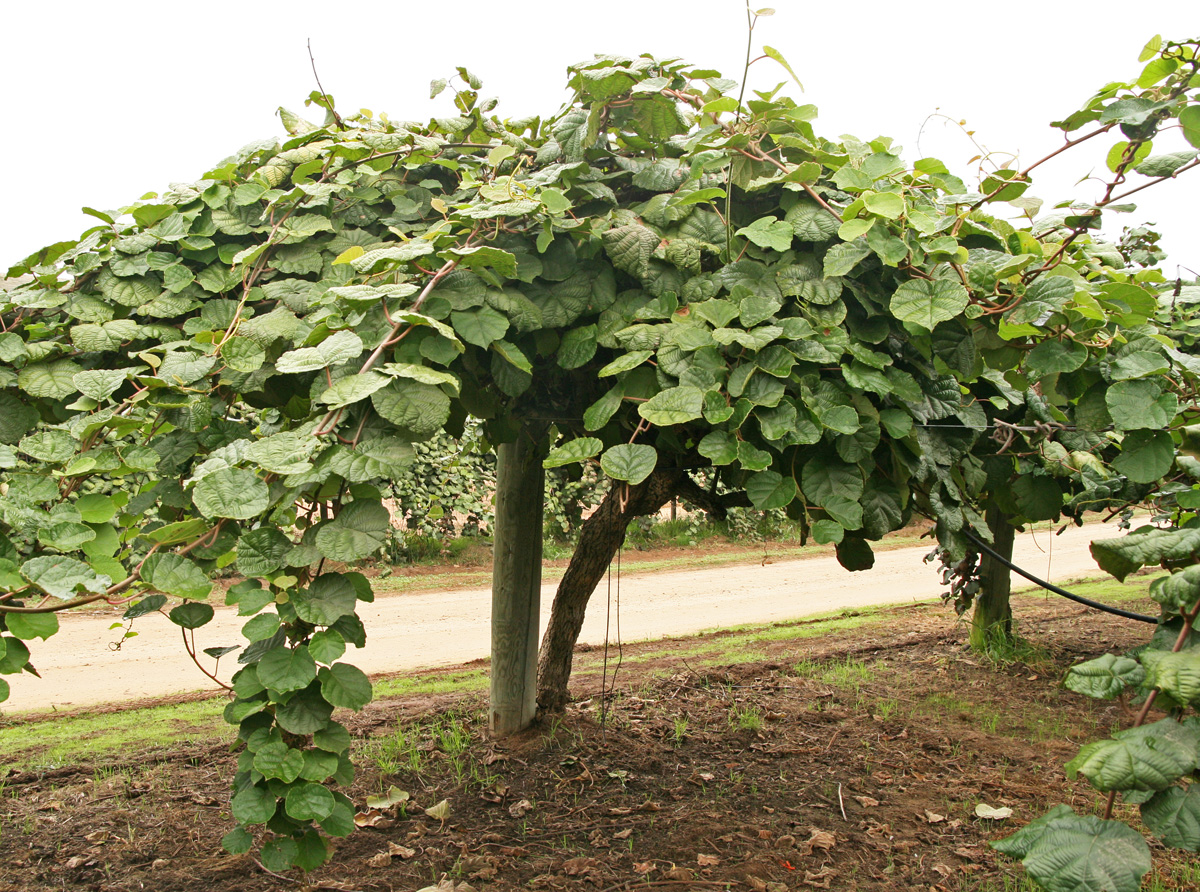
(991, 622)
(599, 538)
(516, 584)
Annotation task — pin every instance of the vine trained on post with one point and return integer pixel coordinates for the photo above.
(659, 278)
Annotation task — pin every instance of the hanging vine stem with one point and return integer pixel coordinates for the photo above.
(190, 647)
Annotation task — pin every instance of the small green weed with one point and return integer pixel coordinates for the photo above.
(746, 718)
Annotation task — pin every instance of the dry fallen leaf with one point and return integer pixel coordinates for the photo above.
(933, 817)
(577, 866)
(383, 859)
(820, 879)
(641, 868)
(992, 813)
(518, 809)
(439, 812)
(679, 873)
(707, 860)
(372, 818)
(623, 834)
(867, 801)
(393, 797)
(402, 852)
(820, 839)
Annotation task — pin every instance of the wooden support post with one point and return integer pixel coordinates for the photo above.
(516, 584)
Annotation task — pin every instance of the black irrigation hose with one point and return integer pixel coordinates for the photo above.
(1078, 599)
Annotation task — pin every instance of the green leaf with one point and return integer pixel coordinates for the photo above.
(1054, 357)
(1173, 815)
(1144, 546)
(191, 615)
(480, 327)
(261, 627)
(326, 646)
(1189, 120)
(253, 805)
(1146, 456)
(768, 232)
(261, 552)
(357, 532)
(346, 686)
(719, 447)
(309, 802)
(768, 490)
(380, 458)
(1066, 852)
(27, 626)
(100, 384)
(330, 597)
(146, 605)
(844, 256)
(236, 493)
(279, 854)
(1177, 674)
(1105, 677)
(828, 480)
(676, 405)
(624, 363)
(812, 223)
(631, 462)
(49, 380)
(1150, 757)
(827, 532)
(925, 303)
(419, 410)
(773, 53)
(630, 248)
(1179, 591)
(339, 347)
(176, 575)
(349, 390)
(285, 669)
(96, 508)
(1140, 404)
(276, 759)
(577, 450)
(494, 258)
(888, 205)
(305, 713)
(61, 577)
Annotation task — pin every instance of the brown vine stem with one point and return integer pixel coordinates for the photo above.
(760, 155)
(190, 646)
(116, 588)
(1188, 619)
(447, 267)
(328, 104)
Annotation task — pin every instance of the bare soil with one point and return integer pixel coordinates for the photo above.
(778, 762)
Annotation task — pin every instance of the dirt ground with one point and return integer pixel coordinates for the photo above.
(771, 761)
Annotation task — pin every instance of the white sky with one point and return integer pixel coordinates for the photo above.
(103, 103)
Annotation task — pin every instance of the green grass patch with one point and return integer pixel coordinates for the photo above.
(473, 680)
(75, 738)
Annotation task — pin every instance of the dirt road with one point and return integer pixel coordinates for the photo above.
(80, 668)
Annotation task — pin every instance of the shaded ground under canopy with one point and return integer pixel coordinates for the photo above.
(847, 753)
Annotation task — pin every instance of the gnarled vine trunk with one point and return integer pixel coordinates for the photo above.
(991, 621)
(599, 538)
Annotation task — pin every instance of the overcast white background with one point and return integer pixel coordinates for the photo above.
(102, 103)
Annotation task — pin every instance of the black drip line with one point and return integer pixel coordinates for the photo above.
(1050, 587)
